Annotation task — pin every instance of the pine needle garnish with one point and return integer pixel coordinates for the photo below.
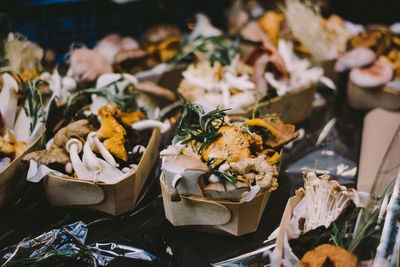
(214, 48)
(125, 101)
(196, 127)
(226, 177)
(33, 103)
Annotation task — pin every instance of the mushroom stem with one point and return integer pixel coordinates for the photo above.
(92, 138)
(74, 146)
(148, 124)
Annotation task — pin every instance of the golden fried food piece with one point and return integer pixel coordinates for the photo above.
(255, 141)
(232, 146)
(113, 135)
(131, 117)
(281, 133)
(6, 148)
(270, 22)
(109, 110)
(116, 147)
(325, 254)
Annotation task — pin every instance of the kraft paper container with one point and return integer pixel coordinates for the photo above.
(379, 128)
(377, 97)
(285, 221)
(293, 107)
(13, 177)
(214, 216)
(113, 199)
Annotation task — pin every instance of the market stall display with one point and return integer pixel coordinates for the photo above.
(173, 146)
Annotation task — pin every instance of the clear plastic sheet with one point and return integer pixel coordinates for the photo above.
(69, 241)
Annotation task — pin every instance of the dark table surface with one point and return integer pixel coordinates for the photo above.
(146, 226)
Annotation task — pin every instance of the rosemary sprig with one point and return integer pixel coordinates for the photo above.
(125, 101)
(215, 48)
(226, 177)
(33, 103)
(195, 127)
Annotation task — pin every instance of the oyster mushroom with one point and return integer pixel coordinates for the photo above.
(182, 173)
(258, 170)
(376, 75)
(80, 128)
(88, 64)
(155, 90)
(44, 157)
(228, 192)
(358, 57)
(9, 99)
(204, 28)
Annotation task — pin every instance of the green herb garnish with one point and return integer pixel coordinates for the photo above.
(226, 177)
(33, 103)
(197, 127)
(215, 48)
(125, 101)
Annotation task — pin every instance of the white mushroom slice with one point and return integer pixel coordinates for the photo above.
(204, 28)
(94, 141)
(358, 57)
(240, 82)
(9, 99)
(74, 146)
(376, 75)
(148, 124)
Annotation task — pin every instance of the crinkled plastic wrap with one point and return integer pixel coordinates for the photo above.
(69, 241)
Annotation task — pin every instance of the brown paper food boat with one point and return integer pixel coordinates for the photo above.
(376, 97)
(113, 199)
(13, 177)
(214, 216)
(293, 107)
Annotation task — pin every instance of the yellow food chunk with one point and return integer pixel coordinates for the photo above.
(328, 254)
(113, 135)
(131, 117)
(232, 146)
(116, 147)
(270, 22)
(6, 148)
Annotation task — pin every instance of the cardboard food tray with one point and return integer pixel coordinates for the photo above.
(293, 107)
(377, 97)
(113, 199)
(214, 216)
(13, 177)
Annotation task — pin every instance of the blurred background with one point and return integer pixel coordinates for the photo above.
(56, 24)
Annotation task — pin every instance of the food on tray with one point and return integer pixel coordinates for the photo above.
(329, 223)
(223, 158)
(373, 59)
(328, 255)
(23, 113)
(102, 142)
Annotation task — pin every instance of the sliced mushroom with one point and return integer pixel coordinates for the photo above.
(182, 173)
(80, 128)
(376, 75)
(156, 90)
(227, 192)
(88, 64)
(358, 57)
(44, 157)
